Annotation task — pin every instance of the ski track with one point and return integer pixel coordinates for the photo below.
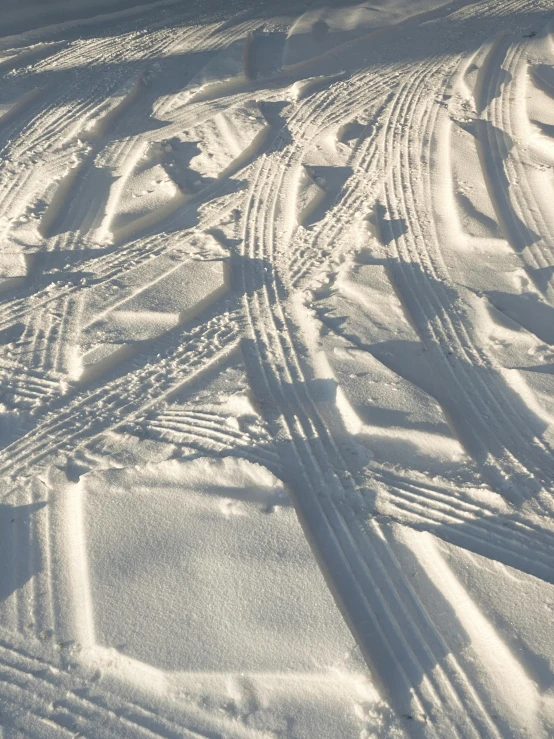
(66, 179)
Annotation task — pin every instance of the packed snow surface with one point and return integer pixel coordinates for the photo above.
(277, 369)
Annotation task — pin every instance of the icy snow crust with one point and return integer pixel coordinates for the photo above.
(277, 369)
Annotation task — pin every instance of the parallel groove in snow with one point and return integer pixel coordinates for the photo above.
(301, 439)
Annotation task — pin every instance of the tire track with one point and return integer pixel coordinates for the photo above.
(313, 455)
(138, 250)
(93, 412)
(469, 523)
(455, 667)
(84, 111)
(527, 204)
(501, 165)
(441, 324)
(50, 695)
(402, 643)
(206, 442)
(311, 250)
(106, 267)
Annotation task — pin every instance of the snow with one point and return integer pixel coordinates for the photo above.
(191, 559)
(276, 369)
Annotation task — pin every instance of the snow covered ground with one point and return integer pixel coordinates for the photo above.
(277, 369)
